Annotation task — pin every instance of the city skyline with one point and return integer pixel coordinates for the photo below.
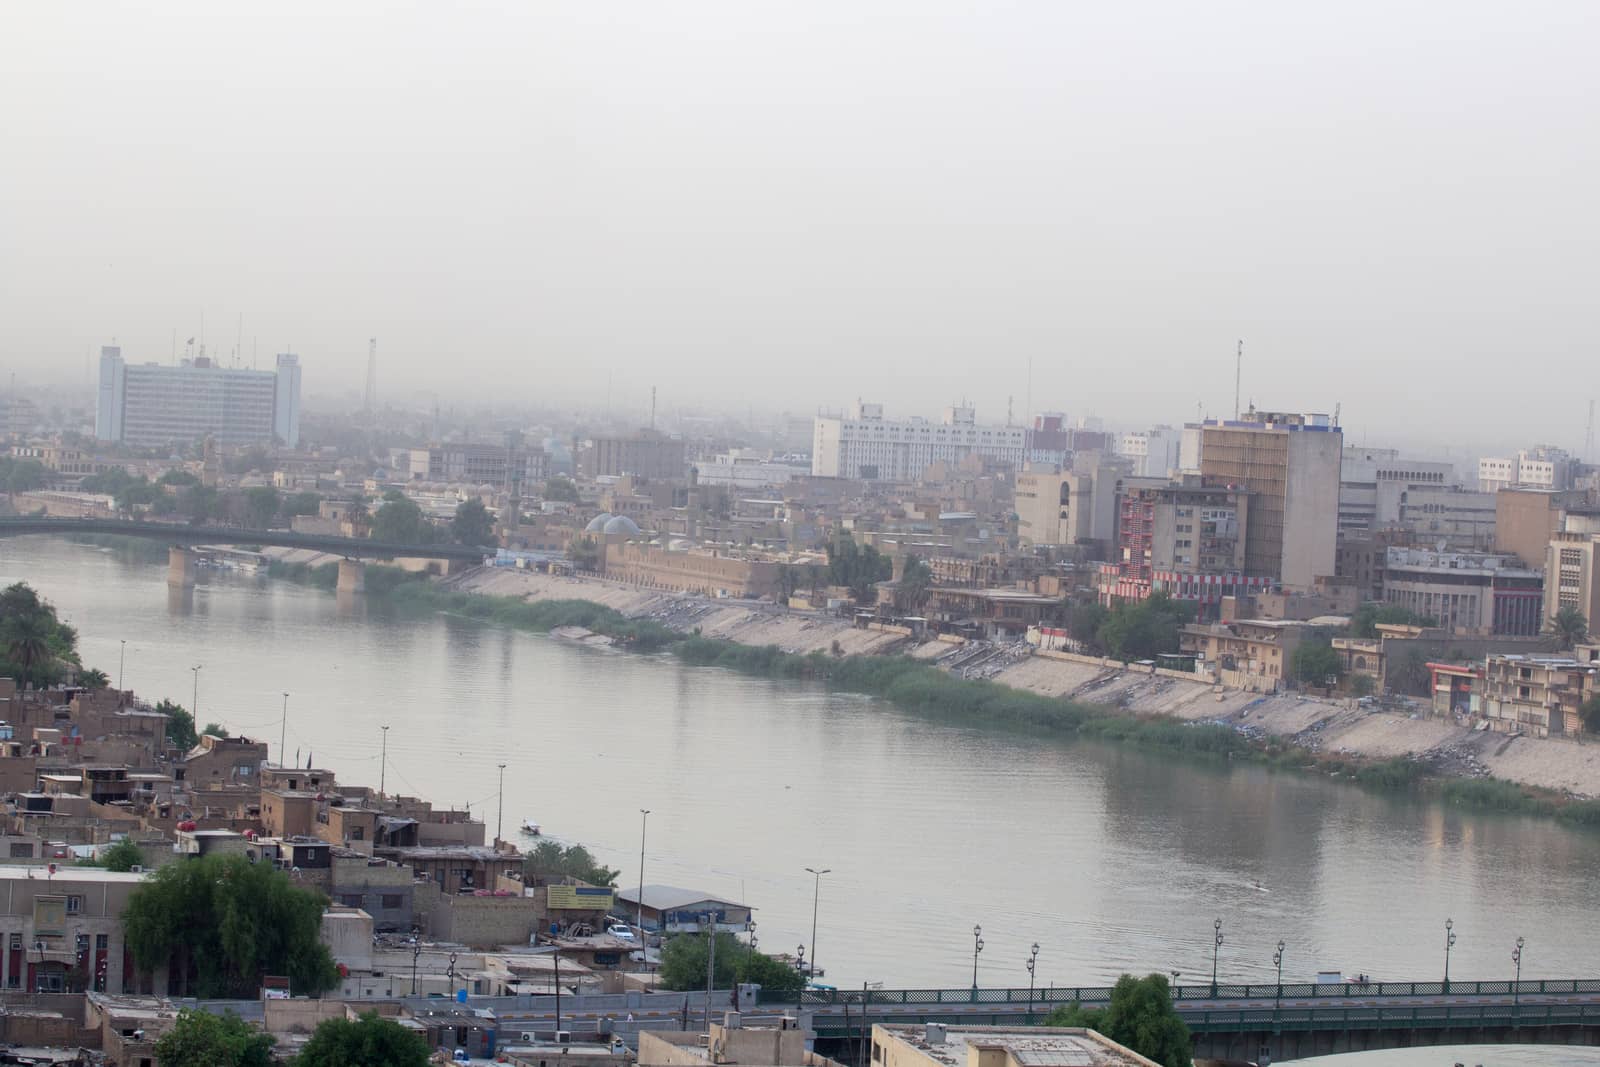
(580, 204)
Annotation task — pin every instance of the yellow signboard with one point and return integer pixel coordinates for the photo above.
(580, 898)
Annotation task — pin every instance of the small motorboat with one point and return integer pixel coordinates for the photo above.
(530, 828)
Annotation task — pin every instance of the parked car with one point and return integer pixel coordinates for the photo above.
(618, 930)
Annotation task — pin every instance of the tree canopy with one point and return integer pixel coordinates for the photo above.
(400, 521)
(122, 856)
(36, 647)
(1140, 1016)
(473, 525)
(223, 922)
(911, 592)
(857, 569)
(683, 965)
(551, 861)
(560, 489)
(1316, 663)
(200, 1039)
(260, 507)
(180, 725)
(370, 1041)
(1364, 622)
(21, 475)
(1146, 628)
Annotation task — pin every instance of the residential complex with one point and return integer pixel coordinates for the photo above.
(863, 444)
(151, 405)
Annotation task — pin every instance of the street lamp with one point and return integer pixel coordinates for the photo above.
(451, 973)
(644, 824)
(1033, 959)
(1216, 950)
(977, 947)
(1516, 988)
(500, 815)
(1449, 939)
(1277, 960)
(800, 965)
(194, 701)
(122, 661)
(816, 893)
(416, 950)
(283, 730)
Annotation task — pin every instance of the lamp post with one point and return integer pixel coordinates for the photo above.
(816, 893)
(556, 956)
(283, 730)
(450, 972)
(1516, 988)
(1033, 959)
(416, 951)
(644, 824)
(977, 947)
(1449, 939)
(122, 661)
(1216, 950)
(800, 965)
(383, 765)
(194, 701)
(1277, 960)
(500, 815)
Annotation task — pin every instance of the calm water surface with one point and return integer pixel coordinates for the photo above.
(1110, 859)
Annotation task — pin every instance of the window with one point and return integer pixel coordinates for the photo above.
(358, 833)
(21, 850)
(74, 904)
(391, 901)
(102, 942)
(350, 900)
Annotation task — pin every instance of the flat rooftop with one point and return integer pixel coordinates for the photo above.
(1030, 1046)
(68, 874)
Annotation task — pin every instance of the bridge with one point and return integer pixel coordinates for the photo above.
(181, 536)
(1265, 1023)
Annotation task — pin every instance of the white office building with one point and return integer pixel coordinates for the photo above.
(151, 405)
(1155, 453)
(863, 444)
(1531, 468)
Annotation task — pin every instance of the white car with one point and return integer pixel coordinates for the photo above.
(624, 932)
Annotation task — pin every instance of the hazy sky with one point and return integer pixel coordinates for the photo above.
(792, 204)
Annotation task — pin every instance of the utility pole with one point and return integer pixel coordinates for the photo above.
(499, 819)
(122, 655)
(283, 729)
(1238, 373)
(644, 824)
(383, 761)
(711, 966)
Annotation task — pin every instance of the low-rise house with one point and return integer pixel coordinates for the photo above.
(669, 909)
(941, 1045)
(729, 1044)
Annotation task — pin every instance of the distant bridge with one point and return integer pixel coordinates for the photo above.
(179, 534)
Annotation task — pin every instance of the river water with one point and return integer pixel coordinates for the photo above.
(1111, 859)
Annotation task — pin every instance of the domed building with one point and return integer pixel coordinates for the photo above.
(621, 526)
(597, 525)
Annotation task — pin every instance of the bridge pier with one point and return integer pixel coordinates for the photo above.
(180, 567)
(352, 576)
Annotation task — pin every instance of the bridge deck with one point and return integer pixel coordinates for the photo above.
(175, 533)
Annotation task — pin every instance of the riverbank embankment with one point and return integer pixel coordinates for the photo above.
(1331, 728)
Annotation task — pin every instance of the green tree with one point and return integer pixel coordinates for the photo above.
(1362, 684)
(200, 1039)
(27, 643)
(551, 861)
(135, 495)
(22, 475)
(1084, 621)
(1570, 625)
(911, 592)
(857, 569)
(370, 1041)
(1140, 1016)
(1315, 662)
(473, 525)
(223, 922)
(199, 503)
(1144, 629)
(260, 506)
(215, 730)
(584, 553)
(561, 489)
(1366, 619)
(683, 965)
(301, 504)
(110, 481)
(253, 459)
(93, 678)
(1408, 672)
(35, 645)
(400, 521)
(1590, 713)
(180, 725)
(122, 856)
(178, 479)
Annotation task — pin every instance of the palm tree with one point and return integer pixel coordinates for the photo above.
(27, 639)
(94, 679)
(1569, 625)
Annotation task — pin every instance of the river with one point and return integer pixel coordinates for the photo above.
(1110, 858)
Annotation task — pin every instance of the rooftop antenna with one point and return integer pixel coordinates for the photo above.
(1336, 408)
(371, 404)
(1009, 420)
(1238, 370)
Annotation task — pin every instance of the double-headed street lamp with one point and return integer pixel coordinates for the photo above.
(1216, 950)
(1277, 961)
(800, 966)
(1516, 988)
(1033, 958)
(977, 947)
(1449, 940)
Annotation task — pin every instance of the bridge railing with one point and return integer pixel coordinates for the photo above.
(1424, 1018)
(1091, 995)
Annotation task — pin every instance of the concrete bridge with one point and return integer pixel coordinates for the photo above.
(1264, 1023)
(181, 559)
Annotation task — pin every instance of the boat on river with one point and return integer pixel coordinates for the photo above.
(530, 828)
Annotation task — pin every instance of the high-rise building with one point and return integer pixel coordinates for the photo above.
(646, 454)
(863, 444)
(1290, 463)
(1155, 453)
(152, 406)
